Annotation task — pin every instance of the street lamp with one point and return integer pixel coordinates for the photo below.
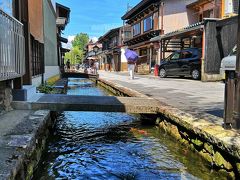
(95, 49)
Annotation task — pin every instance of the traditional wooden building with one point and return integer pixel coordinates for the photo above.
(112, 56)
(90, 55)
(63, 18)
(23, 55)
(151, 18)
(212, 35)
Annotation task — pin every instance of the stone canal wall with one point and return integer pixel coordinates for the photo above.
(5, 96)
(22, 142)
(37, 143)
(219, 147)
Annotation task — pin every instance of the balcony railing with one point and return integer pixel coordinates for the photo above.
(12, 47)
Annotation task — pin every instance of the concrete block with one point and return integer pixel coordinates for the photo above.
(19, 94)
(27, 93)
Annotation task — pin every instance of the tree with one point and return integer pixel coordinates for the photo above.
(75, 56)
(80, 41)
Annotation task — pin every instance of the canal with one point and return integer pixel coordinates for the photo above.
(97, 145)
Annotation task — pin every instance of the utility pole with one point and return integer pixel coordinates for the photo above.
(236, 112)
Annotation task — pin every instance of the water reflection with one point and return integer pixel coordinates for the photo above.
(94, 145)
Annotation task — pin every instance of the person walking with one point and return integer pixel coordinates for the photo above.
(68, 65)
(132, 58)
(131, 69)
(96, 67)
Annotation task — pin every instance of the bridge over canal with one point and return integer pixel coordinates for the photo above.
(59, 102)
(78, 75)
(63, 102)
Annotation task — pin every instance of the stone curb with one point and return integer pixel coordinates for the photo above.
(226, 140)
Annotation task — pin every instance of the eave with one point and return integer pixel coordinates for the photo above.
(138, 8)
(108, 34)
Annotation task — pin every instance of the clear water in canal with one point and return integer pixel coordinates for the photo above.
(96, 145)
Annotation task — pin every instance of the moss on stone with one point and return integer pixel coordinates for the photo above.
(206, 156)
(230, 175)
(163, 126)
(221, 162)
(197, 142)
(209, 148)
(52, 80)
(30, 168)
(192, 147)
(238, 167)
(184, 141)
(173, 130)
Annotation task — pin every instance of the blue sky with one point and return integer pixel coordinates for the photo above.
(95, 17)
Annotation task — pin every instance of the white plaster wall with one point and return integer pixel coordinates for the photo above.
(50, 71)
(37, 81)
(176, 15)
(123, 57)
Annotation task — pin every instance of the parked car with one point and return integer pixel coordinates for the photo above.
(229, 62)
(185, 62)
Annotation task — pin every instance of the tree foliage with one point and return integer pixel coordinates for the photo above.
(80, 41)
(75, 56)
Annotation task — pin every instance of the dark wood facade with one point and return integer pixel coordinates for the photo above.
(220, 38)
(112, 43)
(145, 19)
(63, 18)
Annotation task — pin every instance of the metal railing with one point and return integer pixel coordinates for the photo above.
(12, 47)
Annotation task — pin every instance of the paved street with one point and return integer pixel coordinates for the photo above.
(195, 97)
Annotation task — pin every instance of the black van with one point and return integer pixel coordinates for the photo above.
(185, 62)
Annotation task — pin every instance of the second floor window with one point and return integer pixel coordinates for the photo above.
(148, 23)
(114, 41)
(136, 29)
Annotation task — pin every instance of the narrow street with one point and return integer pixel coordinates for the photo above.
(204, 99)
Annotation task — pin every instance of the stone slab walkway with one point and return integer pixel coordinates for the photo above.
(62, 102)
(195, 97)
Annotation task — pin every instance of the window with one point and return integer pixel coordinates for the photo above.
(127, 34)
(136, 29)
(148, 23)
(186, 55)
(174, 56)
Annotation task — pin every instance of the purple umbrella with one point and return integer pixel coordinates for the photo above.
(131, 56)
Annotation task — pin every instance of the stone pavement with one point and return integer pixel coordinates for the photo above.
(204, 99)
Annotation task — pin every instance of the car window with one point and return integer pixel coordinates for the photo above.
(186, 55)
(175, 56)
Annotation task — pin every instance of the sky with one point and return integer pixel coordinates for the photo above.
(94, 17)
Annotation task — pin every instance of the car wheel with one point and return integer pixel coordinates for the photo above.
(195, 74)
(162, 73)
